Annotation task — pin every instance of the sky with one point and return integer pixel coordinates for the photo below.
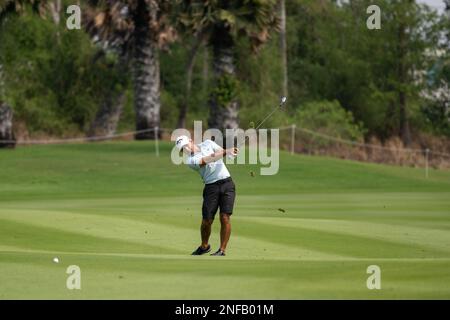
(436, 4)
(439, 5)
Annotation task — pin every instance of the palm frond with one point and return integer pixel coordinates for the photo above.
(8, 7)
(113, 22)
(255, 19)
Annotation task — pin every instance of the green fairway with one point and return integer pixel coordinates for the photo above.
(130, 220)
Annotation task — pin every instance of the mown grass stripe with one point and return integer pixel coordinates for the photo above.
(421, 236)
(25, 235)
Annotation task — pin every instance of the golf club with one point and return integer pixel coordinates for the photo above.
(282, 102)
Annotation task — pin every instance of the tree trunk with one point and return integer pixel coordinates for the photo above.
(146, 76)
(223, 114)
(447, 12)
(205, 70)
(55, 10)
(107, 118)
(402, 80)
(2, 81)
(7, 139)
(110, 110)
(283, 47)
(189, 69)
(404, 121)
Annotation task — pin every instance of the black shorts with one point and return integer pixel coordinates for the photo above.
(218, 194)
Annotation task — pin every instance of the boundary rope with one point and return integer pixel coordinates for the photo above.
(292, 127)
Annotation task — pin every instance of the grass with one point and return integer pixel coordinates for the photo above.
(129, 220)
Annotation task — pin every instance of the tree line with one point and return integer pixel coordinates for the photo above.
(150, 63)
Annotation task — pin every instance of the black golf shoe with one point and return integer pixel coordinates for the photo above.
(201, 251)
(218, 253)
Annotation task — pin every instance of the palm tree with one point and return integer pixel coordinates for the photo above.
(7, 8)
(139, 28)
(107, 117)
(18, 6)
(6, 126)
(222, 22)
(197, 43)
(108, 114)
(283, 46)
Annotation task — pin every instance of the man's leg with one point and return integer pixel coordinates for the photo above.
(205, 231)
(225, 230)
(209, 209)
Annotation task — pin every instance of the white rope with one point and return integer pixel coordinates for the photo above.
(125, 134)
(84, 139)
(285, 128)
(374, 146)
(81, 139)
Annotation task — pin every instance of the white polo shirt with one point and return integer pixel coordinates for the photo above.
(210, 172)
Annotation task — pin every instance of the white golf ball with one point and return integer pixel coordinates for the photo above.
(55, 260)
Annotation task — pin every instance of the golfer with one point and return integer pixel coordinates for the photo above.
(219, 190)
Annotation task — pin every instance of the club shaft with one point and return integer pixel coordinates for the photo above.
(264, 120)
(267, 117)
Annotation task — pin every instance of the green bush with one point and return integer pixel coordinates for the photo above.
(260, 85)
(330, 118)
(51, 76)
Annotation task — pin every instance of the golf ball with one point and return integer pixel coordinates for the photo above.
(55, 260)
